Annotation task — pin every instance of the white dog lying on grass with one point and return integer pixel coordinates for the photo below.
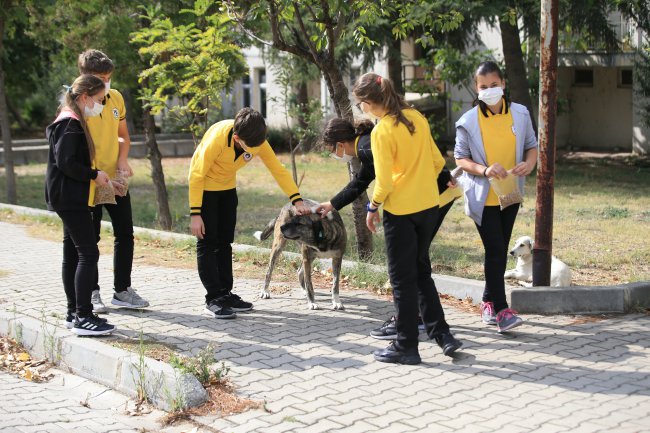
(523, 251)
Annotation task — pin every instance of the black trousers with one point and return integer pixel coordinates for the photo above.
(214, 252)
(408, 238)
(122, 221)
(496, 230)
(80, 256)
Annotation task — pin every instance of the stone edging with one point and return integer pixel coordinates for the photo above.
(116, 368)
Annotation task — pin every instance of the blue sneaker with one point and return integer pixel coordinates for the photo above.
(508, 319)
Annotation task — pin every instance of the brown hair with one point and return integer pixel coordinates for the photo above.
(250, 127)
(82, 85)
(94, 62)
(338, 130)
(374, 88)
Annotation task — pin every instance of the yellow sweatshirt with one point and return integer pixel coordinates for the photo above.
(406, 166)
(214, 167)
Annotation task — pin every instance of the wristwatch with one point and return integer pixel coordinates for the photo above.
(370, 209)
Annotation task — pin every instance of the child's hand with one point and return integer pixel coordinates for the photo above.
(324, 208)
(302, 208)
(102, 178)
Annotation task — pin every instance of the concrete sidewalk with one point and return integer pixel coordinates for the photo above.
(315, 369)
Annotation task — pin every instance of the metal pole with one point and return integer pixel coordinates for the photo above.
(546, 169)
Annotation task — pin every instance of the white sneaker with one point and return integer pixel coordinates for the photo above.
(129, 299)
(98, 305)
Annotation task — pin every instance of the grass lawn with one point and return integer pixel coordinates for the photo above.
(601, 213)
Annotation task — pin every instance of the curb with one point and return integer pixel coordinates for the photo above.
(622, 298)
(165, 387)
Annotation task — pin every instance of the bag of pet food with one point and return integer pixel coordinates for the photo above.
(506, 190)
(121, 183)
(105, 194)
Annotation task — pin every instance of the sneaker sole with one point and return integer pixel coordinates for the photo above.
(489, 322)
(450, 349)
(403, 360)
(240, 310)
(127, 305)
(508, 328)
(86, 332)
(384, 337)
(210, 313)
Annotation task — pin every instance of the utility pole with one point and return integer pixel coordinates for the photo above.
(542, 252)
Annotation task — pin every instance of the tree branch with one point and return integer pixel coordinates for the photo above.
(310, 44)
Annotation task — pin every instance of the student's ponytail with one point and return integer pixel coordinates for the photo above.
(374, 88)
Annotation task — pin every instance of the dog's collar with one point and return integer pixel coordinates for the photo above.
(319, 234)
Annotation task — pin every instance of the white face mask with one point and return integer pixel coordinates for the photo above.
(108, 86)
(95, 111)
(491, 96)
(344, 158)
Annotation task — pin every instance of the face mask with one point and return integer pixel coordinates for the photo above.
(95, 111)
(344, 158)
(491, 96)
(108, 86)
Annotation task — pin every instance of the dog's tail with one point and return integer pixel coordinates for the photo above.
(263, 235)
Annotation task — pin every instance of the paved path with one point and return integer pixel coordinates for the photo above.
(316, 373)
(69, 403)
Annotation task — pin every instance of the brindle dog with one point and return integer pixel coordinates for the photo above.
(318, 237)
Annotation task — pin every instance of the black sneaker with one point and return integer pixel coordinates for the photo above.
(219, 310)
(236, 303)
(387, 331)
(91, 325)
(448, 343)
(69, 320)
(394, 354)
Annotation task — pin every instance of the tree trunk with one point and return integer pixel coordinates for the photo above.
(302, 98)
(157, 175)
(17, 117)
(394, 55)
(515, 67)
(128, 105)
(5, 126)
(341, 99)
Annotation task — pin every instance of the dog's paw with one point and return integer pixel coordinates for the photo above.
(510, 274)
(338, 306)
(312, 306)
(265, 295)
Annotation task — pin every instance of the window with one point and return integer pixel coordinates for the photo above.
(583, 78)
(625, 78)
(261, 81)
(246, 91)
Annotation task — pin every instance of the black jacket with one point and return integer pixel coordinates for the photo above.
(366, 175)
(67, 180)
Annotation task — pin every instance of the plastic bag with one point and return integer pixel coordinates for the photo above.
(506, 190)
(121, 183)
(105, 194)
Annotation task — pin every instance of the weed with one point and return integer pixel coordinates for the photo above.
(201, 365)
(51, 346)
(364, 275)
(141, 371)
(615, 212)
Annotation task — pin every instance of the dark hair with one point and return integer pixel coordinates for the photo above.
(82, 85)
(374, 88)
(94, 62)
(484, 68)
(250, 127)
(338, 130)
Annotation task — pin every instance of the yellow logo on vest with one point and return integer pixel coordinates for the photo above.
(116, 114)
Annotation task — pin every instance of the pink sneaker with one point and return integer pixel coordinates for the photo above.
(487, 313)
(508, 319)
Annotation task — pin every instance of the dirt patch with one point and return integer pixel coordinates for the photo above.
(151, 348)
(466, 305)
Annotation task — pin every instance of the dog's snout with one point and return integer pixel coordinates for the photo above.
(512, 252)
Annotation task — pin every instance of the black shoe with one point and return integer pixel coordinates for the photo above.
(394, 354)
(219, 310)
(91, 325)
(69, 320)
(236, 303)
(421, 326)
(387, 331)
(448, 343)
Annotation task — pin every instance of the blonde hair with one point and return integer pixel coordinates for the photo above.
(374, 88)
(82, 85)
